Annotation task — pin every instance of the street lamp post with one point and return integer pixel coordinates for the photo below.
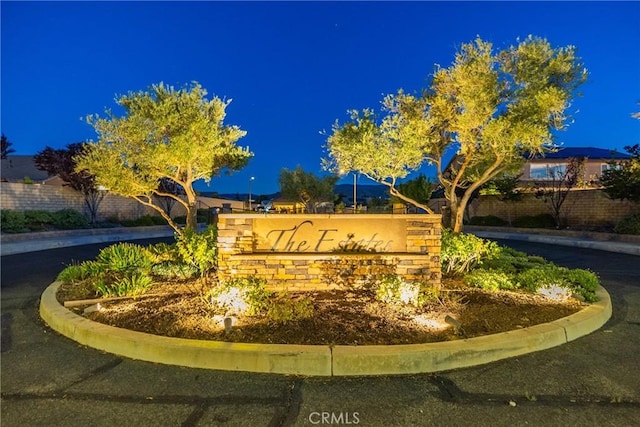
(250, 179)
(355, 200)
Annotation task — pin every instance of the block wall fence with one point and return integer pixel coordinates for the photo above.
(586, 208)
(302, 265)
(19, 196)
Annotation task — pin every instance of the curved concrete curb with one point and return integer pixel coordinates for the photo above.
(317, 360)
(443, 356)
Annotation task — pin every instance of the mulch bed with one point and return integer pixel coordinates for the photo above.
(341, 317)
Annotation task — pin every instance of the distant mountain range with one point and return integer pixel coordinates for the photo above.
(363, 191)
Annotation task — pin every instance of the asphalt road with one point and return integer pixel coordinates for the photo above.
(48, 380)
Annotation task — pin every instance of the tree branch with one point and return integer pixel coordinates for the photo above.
(162, 213)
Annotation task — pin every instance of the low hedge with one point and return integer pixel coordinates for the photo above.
(628, 225)
(489, 220)
(535, 221)
(146, 220)
(39, 220)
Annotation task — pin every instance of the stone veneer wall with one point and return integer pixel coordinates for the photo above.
(238, 256)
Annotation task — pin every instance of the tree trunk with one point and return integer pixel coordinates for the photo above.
(92, 199)
(192, 216)
(455, 211)
(456, 215)
(457, 219)
(192, 208)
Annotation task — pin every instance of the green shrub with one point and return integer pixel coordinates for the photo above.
(490, 280)
(174, 270)
(120, 270)
(535, 221)
(489, 220)
(114, 219)
(511, 269)
(511, 261)
(163, 252)
(505, 264)
(93, 269)
(68, 219)
(583, 283)
(144, 221)
(72, 273)
(537, 277)
(13, 221)
(37, 220)
(628, 225)
(88, 270)
(131, 285)
(462, 252)
(240, 295)
(125, 258)
(202, 217)
(199, 249)
(393, 290)
(284, 309)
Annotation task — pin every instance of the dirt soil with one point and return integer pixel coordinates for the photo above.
(340, 317)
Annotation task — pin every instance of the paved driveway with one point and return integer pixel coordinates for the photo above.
(48, 380)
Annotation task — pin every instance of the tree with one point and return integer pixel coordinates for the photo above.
(5, 147)
(62, 163)
(309, 189)
(487, 110)
(170, 134)
(622, 179)
(418, 189)
(555, 191)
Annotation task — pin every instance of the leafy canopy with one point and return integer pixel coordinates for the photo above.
(488, 109)
(165, 133)
(622, 179)
(5, 147)
(61, 162)
(418, 189)
(306, 187)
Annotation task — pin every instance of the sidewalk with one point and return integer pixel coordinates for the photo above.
(11, 244)
(594, 241)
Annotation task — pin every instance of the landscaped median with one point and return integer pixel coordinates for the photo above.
(321, 360)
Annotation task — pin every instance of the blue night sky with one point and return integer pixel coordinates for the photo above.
(291, 68)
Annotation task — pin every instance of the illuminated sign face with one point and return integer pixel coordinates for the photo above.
(328, 235)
